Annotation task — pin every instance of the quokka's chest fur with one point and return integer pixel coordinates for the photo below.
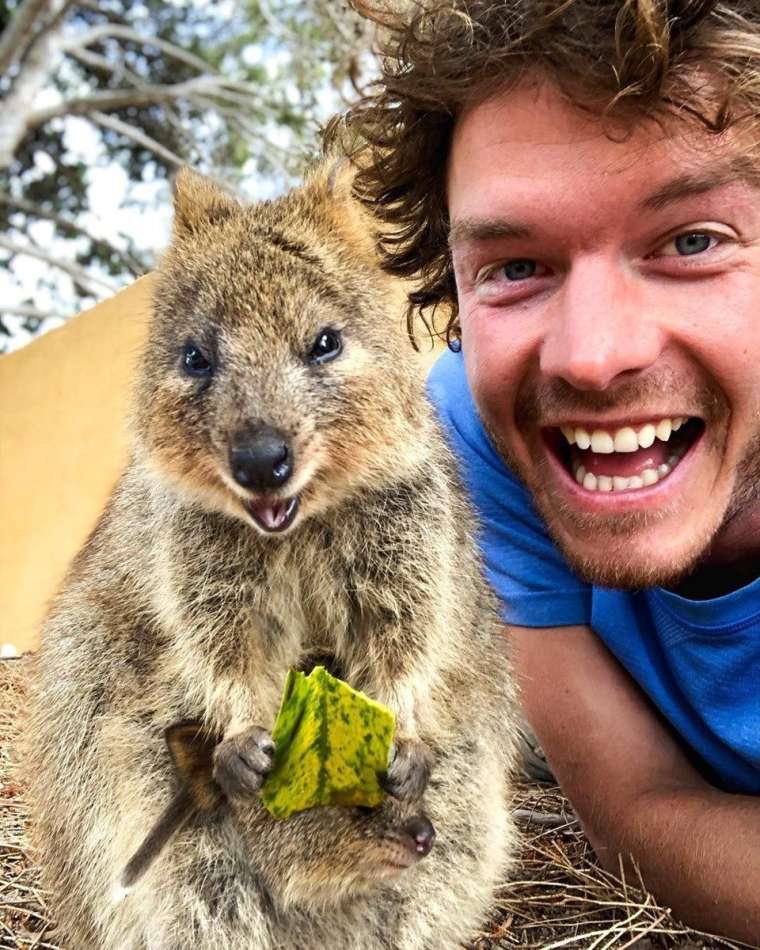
(359, 585)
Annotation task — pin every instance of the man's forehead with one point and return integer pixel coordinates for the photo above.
(535, 143)
(679, 187)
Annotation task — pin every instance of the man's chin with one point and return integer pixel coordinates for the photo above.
(631, 552)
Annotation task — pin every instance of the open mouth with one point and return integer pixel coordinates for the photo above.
(271, 514)
(626, 458)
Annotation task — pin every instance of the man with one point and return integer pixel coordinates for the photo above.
(580, 182)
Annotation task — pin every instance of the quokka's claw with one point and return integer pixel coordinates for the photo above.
(242, 762)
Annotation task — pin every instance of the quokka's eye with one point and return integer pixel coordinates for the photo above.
(327, 346)
(194, 362)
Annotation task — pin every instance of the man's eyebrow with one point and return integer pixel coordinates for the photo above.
(467, 230)
(741, 169)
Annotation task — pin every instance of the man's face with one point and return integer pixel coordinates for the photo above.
(609, 292)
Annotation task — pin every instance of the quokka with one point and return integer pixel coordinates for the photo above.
(290, 499)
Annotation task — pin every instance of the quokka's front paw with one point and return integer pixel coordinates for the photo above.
(409, 769)
(241, 763)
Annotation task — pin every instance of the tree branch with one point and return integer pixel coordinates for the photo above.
(78, 274)
(132, 264)
(30, 313)
(18, 33)
(144, 96)
(135, 135)
(113, 30)
(41, 59)
(95, 61)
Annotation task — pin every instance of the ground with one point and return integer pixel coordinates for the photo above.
(559, 896)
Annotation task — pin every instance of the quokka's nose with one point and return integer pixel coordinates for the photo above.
(263, 460)
(421, 835)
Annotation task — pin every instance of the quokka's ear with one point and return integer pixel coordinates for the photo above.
(198, 202)
(333, 181)
(339, 178)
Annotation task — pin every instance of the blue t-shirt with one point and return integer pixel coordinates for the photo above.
(697, 660)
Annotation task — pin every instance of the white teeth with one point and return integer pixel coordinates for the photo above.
(626, 440)
(615, 483)
(602, 442)
(646, 436)
(663, 430)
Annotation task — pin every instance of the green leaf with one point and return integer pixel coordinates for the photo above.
(332, 746)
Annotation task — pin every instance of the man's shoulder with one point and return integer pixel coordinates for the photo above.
(534, 583)
(496, 491)
(448, 388)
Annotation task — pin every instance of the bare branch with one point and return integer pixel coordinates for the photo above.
(77, 273)
(30, 313)
(40, 61)
(112, 15)
(133, 133)
(19, 32)
(96, 61)
(144, 96)
(108, 121)
(132, 264)
(113, 30)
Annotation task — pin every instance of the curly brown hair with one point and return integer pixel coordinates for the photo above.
(619, 58)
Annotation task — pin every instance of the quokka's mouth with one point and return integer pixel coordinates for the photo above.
(272, 515)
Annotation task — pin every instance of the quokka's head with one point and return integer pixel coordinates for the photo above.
(278, 379)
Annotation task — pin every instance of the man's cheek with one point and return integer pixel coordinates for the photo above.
(497, 359)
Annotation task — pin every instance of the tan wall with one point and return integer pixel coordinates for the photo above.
(63, 445)
(63, 400)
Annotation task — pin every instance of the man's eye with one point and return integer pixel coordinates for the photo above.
(520, 269)
(689, 244)
(514, 271)
(326, 347)
(194, 362)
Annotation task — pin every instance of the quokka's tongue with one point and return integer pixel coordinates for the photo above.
(624, 464)
(272, 514)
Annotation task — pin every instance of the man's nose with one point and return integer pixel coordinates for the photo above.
(261, 459)
(599, 327)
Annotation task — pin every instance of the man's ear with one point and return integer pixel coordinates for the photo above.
(198, 203)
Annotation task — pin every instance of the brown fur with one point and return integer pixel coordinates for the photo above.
(178, 608)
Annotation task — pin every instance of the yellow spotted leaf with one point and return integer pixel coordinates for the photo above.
(332, 746)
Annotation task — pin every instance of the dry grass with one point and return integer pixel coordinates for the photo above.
(559, 896)
(23, 918)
